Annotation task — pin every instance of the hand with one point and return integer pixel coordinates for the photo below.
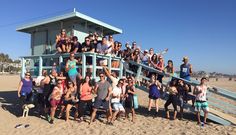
(18, 94)
(107, 98)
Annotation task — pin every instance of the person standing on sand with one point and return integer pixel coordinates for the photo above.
(25, 88)
(201, 100)
(116, 96)
(186, 71)
(55, 99)
(104, 91)
(173, 98)
(129, 101)
(154, 93)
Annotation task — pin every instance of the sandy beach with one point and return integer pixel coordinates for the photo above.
(145, 123)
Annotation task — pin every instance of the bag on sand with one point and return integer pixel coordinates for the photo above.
(135, 101)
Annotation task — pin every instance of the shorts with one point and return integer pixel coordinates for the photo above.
(181, 102)
(201, 105)
(66, 102)
(54, 102)
(73, 77)
(99, 102)
(118, 107)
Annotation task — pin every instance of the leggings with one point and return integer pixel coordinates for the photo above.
(83, 105)
(172, 99)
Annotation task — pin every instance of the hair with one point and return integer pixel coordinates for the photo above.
(70, 82)
(154, 60)
(173, 81)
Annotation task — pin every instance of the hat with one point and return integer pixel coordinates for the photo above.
(146, 50)
(160, 57)
(185, 58)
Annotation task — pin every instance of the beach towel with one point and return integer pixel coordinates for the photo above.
(135, 97)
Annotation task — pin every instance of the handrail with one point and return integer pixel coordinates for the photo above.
(220, 91)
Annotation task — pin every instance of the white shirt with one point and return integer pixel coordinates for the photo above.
(116, 92)
(202, 90)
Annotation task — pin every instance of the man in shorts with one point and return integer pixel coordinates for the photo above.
(103, 90)
(115, 101)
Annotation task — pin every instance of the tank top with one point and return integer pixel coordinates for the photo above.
(50, 86)
(72, 71)
(185, 71)
(26, 87)
(86, 92)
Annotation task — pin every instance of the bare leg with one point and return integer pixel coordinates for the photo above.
(205, 116)
(52, 114)
(167, 114)
(59, 49)
(63, 48)
(68, 107)
(93, 115)
(150, 104)
(156, 104)
(198, 118)
(181, 112)
(62, 111)
(133, 114)
(114, 115)
(175, 114)
(109, 115)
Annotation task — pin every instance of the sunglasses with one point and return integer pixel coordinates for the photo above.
(59, 83)
(27, 75)
(101, 76)
(86, 40)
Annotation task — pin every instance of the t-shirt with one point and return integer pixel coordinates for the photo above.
(74, 46)
(102, 49)
(202, 91)
(103, 89)
(88, 47)
(116, 92)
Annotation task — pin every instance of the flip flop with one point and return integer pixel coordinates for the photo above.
(27, 125)
(19, 126)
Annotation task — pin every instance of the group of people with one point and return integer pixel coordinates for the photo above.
(61, 90)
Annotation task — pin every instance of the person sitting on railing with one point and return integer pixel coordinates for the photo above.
(87, 46)
(160, 67)
(75, 45)
(127, 52)
(172, 89)
(170, 67)
(145, 57)
(110, 43)
(95, 41)
(201, 100)
(134, 46)
(151, 53)
(61, 42)
(102, 48)
(71, 68)
(153, 64)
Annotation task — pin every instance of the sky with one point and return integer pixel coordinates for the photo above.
(203, 30)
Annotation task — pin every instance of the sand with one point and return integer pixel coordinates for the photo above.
(145, 124)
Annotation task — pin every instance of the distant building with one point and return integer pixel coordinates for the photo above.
(43, 33)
